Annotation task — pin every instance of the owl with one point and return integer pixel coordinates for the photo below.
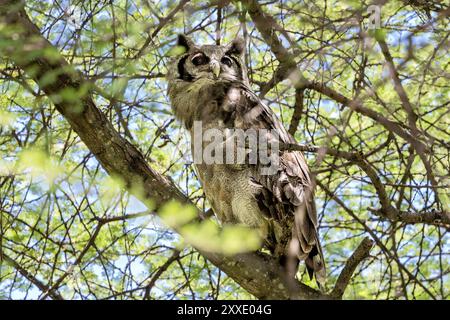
(208, 84)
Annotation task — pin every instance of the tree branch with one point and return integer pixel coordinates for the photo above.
(434, 217)
(162, 22)
(298, 110)
(54, 294)
(361, 253)
(175, 255)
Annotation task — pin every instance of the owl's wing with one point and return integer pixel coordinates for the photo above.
(290, 190)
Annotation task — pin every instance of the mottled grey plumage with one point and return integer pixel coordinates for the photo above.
(209, 83)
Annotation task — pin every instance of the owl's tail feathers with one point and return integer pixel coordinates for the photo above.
(306, 244)
(314, 261)
(315, 264)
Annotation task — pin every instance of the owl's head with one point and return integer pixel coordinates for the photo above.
(209, 61)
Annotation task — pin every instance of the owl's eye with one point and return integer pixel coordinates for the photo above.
(199, 59)
(227, 61)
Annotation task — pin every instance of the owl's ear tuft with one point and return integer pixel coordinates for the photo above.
(185, 42)
(236, 47)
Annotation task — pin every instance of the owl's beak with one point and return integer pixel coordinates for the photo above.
(215, 68)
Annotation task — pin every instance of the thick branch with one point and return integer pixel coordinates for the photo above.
(429, 217)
